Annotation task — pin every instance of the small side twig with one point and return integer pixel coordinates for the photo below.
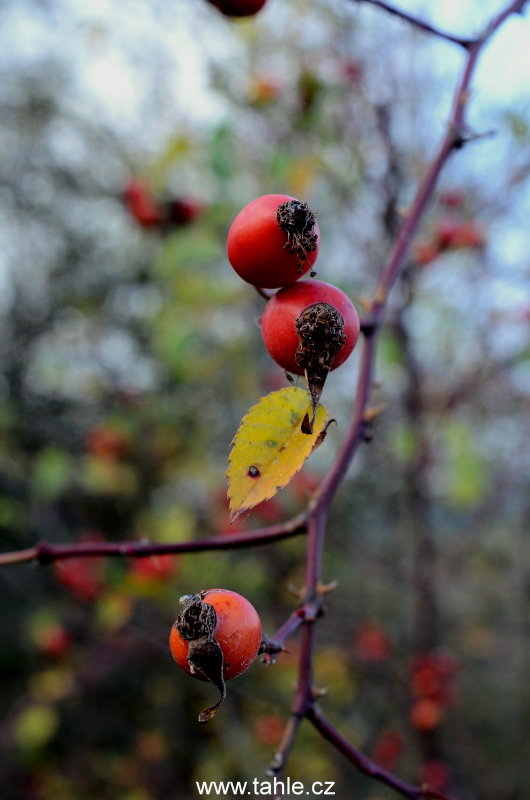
(46, 552)
(418, 23)
(365, 764)
(270, 647)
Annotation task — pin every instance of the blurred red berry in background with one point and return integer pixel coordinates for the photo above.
(432, 675)
(436, 774)
(154, 569)
(149, 213)
(268, 729)
(388, 748)
(426, 714)
(108, 443)
(423, 252)
(453, 198)
(263, 91)
(141, 203)
(82, 576)
(53, 640)
(371, 642)
(352, 71)
(468, 234)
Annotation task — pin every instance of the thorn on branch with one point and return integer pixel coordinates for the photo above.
(326, 588)
(298, 593)
(463, 138)
(372, 413)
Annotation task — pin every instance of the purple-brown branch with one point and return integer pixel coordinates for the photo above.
(365, 764)
(46, 552)
(454, 138)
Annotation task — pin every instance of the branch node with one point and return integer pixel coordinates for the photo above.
(277, 762)
(368, 325)
(367, 431)
(45, 553)
(313, 611)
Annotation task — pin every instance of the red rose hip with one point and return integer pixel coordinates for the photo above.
(279, 321)
(215, 637)
(237, 632)
(273, 241)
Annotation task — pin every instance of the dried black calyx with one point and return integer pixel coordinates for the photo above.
(196, 624)
(298, 222)
(320, 331)
(320, 328)
(197, 619)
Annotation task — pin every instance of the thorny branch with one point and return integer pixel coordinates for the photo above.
(313, 522)
(304, 701)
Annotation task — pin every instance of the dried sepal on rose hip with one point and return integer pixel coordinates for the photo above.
(215, 638)
(273, 241)
(310, 328)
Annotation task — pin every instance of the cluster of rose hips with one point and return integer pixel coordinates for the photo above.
(272, 243)
(307, 326)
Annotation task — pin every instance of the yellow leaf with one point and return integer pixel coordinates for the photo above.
(269, 447)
